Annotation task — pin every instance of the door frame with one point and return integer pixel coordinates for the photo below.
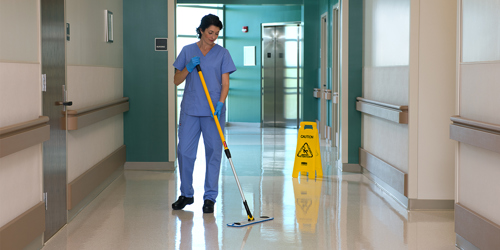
(53, 64)
(336, 61)
(323, 74)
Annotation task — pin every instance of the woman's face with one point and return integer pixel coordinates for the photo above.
(210, 34)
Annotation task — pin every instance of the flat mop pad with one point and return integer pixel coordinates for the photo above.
(248, 223)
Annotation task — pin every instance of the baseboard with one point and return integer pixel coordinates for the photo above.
(23, 231)
(401, 199)
(351, 168)
(244, 124)
(475, 229)
(414, 204)
(150, 166)
(75, 210)
(86, 183)
(36, 244)
(392, 176)
(463, 244)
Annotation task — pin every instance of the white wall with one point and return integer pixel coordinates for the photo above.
(478, 169)
(480, 30)
(385, 77)
(409, 59)
(436, 99)
(94, 76)
(20, 101)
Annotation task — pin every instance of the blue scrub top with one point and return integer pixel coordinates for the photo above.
(218, 61)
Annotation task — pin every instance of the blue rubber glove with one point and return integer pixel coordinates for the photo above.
(192, 64)
(218, 109)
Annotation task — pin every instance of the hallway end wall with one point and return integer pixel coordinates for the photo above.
(245, 95)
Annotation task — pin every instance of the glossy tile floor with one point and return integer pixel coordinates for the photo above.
(340, 211)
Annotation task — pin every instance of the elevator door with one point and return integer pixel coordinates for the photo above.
(54, 150)
(281, 75)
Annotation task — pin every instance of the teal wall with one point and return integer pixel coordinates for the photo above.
(327, 6)
(242, 2)
(245, 85)
(145, 80)
(355, 64)
(312, 21)
(355, 77)
(146, 77)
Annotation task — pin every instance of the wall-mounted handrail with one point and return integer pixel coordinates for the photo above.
(391, 112)
(79, 118)
(383, 104)
(23, 125)
(23, 135)
(317, 93)
(474, 123)
(476, 133)
(95, 107)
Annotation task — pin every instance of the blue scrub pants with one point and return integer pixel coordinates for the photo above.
(190, 128)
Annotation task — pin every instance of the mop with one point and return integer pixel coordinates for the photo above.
(251, 220)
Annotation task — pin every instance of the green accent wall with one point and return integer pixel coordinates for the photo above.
(145, 81)
(245, 86)
(355, 77)
(146, 78)
(355, 63)
(312, 45)
(241, 2)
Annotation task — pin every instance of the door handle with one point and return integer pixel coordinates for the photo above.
(64, 103)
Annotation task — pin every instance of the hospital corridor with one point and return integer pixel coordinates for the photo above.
(249, 124)
(338, 211)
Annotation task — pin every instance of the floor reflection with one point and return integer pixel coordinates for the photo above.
(339, 211)
(307, 198)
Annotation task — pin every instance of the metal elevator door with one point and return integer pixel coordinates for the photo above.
(281, 75)
(54, 150)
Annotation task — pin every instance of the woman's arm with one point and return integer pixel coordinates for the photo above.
(225, 87)
(180, 76)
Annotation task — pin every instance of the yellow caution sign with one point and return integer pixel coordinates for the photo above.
(307, 198)
(308, 155)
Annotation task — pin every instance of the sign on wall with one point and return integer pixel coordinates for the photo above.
(160, 44)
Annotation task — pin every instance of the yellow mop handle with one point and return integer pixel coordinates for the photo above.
(226, 150)
(211, 106)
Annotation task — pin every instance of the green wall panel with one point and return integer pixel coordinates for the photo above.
(245, 86)
(355, 77)
(312, 22)
(242, 2)
(145, 81)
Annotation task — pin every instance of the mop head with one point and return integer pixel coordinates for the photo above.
(248, 223)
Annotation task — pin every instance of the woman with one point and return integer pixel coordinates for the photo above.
(196, 116)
